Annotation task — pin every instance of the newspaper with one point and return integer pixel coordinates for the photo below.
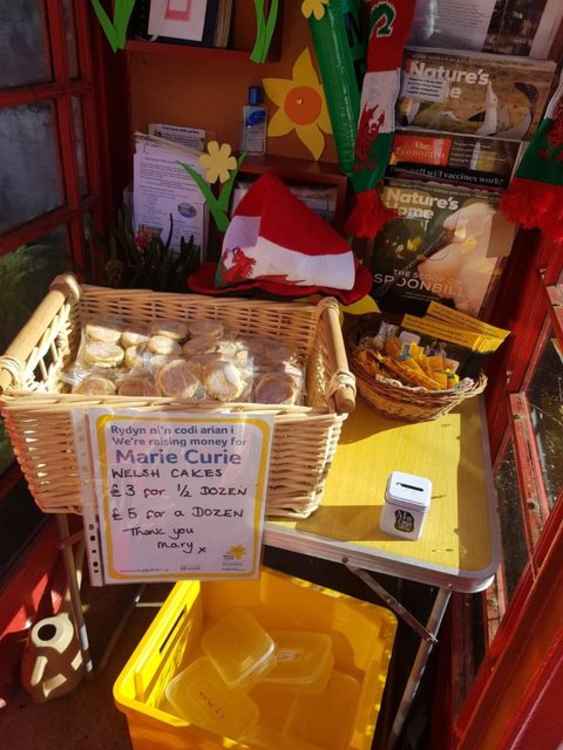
(162, 188)
(191, 137)
(511, 27)
(448, 157)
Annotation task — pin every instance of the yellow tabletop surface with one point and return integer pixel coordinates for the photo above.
(459, 545)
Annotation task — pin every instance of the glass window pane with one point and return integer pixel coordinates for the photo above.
(25, 275)
(24, 44)
(545, 397)
(80, 146)
(514, 548)
(70, 33)
(30, 179)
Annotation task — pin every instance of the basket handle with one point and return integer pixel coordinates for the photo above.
(12, 364)
(343, 385)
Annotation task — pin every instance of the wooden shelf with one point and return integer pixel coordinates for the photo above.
(185, 51)
(302, 171)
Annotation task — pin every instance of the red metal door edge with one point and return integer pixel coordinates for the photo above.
(536, 596)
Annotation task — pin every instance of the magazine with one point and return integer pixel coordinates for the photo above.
(447, 244)
(473, 93)
(447, 157)
(511, 27)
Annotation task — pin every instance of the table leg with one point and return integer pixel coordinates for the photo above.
(411, 688)
(75, 598)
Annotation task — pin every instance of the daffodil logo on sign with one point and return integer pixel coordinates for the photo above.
(238, 551)
(302, 105)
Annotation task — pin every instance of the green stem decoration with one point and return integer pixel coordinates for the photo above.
(218, 206)
(116, 31)
(265, 28)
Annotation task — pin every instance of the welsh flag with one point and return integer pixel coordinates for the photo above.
(390, 23)
(535, 196)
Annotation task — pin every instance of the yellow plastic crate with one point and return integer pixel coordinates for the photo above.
(362, 635)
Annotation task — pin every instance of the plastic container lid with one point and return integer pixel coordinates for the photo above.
(255, 96)
(304, 660)
(408, 490)
(199, 695)
(326, 719)
(239, 648)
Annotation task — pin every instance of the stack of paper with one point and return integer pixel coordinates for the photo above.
(162, 188)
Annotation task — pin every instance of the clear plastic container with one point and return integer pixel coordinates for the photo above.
(326, 719)
(304, 660)
(275, 703)
(239, 648)
(199, 695)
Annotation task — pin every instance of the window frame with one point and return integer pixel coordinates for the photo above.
(90, 88)
(60, 92)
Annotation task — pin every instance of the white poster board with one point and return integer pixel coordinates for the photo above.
(173, 495)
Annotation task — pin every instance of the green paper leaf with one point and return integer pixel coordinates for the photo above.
(115, 32)
(265, 30)
(227, 189)
(219, 215)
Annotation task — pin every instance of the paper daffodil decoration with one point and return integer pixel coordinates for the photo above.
(314, 8)
(218, 164)
(302, 105)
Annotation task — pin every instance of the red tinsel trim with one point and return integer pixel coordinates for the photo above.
(368, 216)
(535, 205)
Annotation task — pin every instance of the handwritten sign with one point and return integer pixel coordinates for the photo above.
(179, 495)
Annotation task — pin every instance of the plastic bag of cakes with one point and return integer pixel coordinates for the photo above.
(99, 357)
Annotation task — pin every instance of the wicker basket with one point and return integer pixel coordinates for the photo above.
(409, 403)
(38, 415)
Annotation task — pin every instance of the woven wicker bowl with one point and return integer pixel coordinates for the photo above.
(38, 416)
(409, 403)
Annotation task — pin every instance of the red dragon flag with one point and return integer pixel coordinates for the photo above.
(390, 23)
(274, 237)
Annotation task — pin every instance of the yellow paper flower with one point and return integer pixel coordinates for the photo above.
(314, 7)
(218, 162)
(302, 105)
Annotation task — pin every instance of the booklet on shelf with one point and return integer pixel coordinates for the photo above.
(321, 200)
(511, 27)
(473, 93)
(191, 137)
(459, 159)
(447, 244)
(162, 188)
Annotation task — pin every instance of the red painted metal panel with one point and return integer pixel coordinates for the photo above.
(37, 228)
(535, 611)
(29, 94)
(24, 598)
(539, 722)
(535, 505)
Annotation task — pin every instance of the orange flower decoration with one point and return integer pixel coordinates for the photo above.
(302, 105)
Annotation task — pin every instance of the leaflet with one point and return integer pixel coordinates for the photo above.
(165, 198)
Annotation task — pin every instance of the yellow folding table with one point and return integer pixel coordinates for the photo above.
(459, 548)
